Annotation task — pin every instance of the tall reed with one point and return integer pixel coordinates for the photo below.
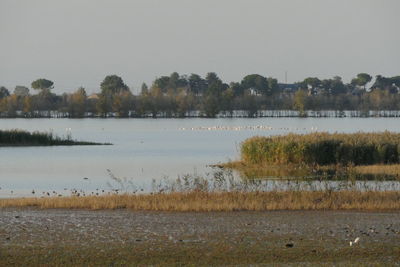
(323, 149)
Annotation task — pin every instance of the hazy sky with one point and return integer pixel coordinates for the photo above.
(78, 42)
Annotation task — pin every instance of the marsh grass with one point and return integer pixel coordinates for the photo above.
(222, 201)
(223, 192)
(24, 138)
(323, 149)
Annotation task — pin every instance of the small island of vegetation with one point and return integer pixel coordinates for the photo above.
(25, 138)
(301, 155)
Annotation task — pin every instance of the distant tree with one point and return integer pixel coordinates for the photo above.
(333, 86)
(156, 101)
(273, 86)
(103, 104)
(377, 99)
(215, 86)
(171, 83)
(123, 103)
(182, 81)
(197, 85)
(77, 103)
(144, 89)
(113, 84)
(12, 105)
(250, 104)
(42, 84)
(237, 88)
(311, 84)
(182, 104)
(174, 81)
(385, 83)
(361, 80)
(227, 98)
(162, 83)
(21, 91)
(210, 106)
(337, 86)
(45, 101)
(299, 102)
(4, 92)
(27, 106)
(212, 77)
(256, 82)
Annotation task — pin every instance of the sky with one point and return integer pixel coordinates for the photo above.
(78, 42)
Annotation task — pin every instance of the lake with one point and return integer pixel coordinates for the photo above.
(144, 149)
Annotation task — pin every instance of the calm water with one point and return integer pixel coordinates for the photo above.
(144, 149)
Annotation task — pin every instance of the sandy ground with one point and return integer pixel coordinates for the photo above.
(326, 232)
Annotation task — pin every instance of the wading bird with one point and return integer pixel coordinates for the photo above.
(355, 241)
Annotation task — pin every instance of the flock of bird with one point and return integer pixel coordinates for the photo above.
(71, 192)
(241, 128)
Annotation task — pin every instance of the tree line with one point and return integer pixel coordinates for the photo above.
(192, 95)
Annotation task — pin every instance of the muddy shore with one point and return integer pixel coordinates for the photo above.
(81, 237)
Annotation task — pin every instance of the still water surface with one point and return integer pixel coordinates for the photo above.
(144, 149)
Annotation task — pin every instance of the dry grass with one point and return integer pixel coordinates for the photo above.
(223, 201)
(393, 169)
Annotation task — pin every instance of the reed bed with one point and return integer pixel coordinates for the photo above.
(24, 138)
(221, 201)
(323, 149)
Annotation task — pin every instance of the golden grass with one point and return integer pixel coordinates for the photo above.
(393, 169)
(222, 201)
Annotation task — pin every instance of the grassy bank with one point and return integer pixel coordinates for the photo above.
(222, 201)
(323, 149)
(24, 138)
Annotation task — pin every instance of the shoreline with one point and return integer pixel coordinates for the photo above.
(236, 115)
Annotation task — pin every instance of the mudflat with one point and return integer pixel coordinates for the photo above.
(122, 237)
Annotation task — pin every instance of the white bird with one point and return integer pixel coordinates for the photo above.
(355, 241)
